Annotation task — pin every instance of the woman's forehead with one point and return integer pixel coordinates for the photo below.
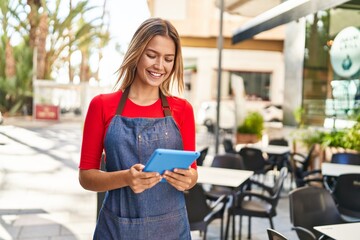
(161, 44)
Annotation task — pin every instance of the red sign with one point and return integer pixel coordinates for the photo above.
(48, 112)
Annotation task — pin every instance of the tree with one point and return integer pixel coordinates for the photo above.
(41, 26)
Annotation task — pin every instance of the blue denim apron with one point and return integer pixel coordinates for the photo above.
(157, 213)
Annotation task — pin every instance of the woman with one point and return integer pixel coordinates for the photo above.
(129, 125)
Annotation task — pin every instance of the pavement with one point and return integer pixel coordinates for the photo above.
(40, 195)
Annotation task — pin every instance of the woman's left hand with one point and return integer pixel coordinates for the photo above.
(181, 179)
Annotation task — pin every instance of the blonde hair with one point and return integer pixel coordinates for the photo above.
(146, 31)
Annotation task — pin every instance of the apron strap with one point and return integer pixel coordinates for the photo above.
(122, 102)
(164, 103)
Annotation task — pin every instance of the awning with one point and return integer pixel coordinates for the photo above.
(285, 12)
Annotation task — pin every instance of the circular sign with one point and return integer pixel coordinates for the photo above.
(345, 52)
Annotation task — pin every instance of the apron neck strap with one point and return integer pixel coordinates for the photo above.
(164, 103)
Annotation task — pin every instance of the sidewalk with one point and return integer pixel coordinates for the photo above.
(40, 195)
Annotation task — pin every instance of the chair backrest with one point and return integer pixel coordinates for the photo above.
(278, 186)
(253, 158)
(312, 206)
(308, 159)
(228, 160)
(201, 158)
(275, 235)
(305, 160)
(347, 194)
(346, 158)
(196, 205)
(228, 146)
(279, 142)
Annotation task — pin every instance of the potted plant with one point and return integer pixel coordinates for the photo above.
(332, 140)
(250, 131)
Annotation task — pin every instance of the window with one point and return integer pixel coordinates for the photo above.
(256, 84)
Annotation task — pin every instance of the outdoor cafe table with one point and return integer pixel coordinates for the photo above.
(344, 231)
(336, 169)
(223, 176)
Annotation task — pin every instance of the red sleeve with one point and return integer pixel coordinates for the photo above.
(184, 117)
(94, 129)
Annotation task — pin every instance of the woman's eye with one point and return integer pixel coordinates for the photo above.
(169, 59)
(151, 56)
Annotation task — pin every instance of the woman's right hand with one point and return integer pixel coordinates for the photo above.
(139, 181)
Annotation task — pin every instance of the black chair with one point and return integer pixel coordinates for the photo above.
(275, 235)
(201, 158)
(312, 206)
(340, 158)
(301, 172)
(279, 142)
(279, 161)
(254, 204)
(200, 213)
(254, 160)
(346, 158)
(227, 160)
(347, 194)
(229, 146)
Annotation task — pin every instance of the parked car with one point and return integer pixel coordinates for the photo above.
(206, 114)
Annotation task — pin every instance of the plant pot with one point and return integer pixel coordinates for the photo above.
(246, 138)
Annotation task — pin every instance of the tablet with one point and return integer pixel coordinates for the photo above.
(168, 159)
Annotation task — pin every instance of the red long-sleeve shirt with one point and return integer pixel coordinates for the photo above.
(102, 109)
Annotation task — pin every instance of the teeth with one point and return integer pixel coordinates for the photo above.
(155, 74)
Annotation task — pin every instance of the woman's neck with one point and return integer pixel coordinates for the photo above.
(143, 96)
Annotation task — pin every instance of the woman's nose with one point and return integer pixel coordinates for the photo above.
(159, 63)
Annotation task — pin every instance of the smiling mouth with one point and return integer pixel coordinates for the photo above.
(154, 74)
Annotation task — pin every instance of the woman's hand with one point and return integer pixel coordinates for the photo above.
(181, 179)
(139, 181)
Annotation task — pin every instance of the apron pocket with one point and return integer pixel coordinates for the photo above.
(170, 226)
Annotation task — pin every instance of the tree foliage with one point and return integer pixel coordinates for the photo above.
(55, 33)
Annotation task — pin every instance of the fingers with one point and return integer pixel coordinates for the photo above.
(181, 179)
(140, 181)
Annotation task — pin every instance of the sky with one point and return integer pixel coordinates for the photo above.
(125, 17)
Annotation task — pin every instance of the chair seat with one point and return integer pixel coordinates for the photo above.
(255, 209)
(216, 191)
(256, 206)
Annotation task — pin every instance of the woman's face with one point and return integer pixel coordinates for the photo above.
(156, 62)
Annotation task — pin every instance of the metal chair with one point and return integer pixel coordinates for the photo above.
(347, 194)
(255, 204)
(275, 235)
(200, 213)
(312, 206)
